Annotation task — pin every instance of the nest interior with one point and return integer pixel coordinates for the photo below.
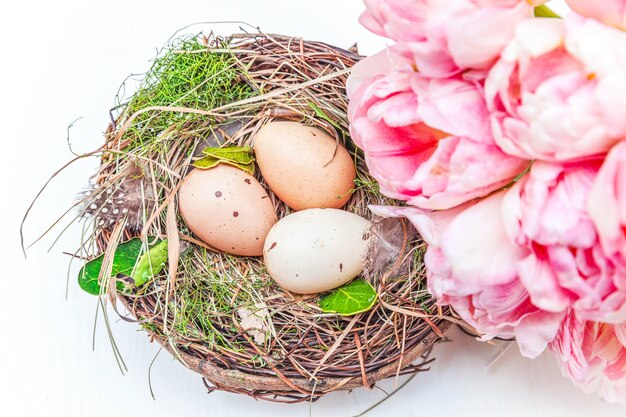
(211, 91)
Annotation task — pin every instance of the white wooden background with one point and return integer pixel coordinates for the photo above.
(65, 59)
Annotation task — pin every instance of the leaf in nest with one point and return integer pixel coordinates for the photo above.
(150, 263)
(209, 162)
(353, 298)
(124, 261)
(238, 156)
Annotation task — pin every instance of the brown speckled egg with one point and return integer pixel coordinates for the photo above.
(298, 165)
(228, 209)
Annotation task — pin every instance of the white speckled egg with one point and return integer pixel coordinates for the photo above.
(227, 208)
(315, 250)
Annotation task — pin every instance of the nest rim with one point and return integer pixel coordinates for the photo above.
(294, 390)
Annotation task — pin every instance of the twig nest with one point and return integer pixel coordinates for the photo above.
(228, 209)
(228, 321)
(316, 250)
(304, 166)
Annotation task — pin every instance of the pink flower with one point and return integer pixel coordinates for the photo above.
(593, 356)
(384, 122)
(546, 212)
(381, 63)
(427, 141)
(471, 264)
(445, 36)
(559, 90)
(400, 20)
(610, 12)
(607, 204)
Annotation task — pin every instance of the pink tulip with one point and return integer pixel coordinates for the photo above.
(558, 91)
(444, 36)
(610, 12)
(566, 268)
(607, 204)
(593, 356)
(471, 264)
(428, 141)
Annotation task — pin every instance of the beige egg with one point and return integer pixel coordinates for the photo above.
(227, 208)
(297, 163)
(316, 250)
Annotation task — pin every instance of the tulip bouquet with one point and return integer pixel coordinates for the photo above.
(505, 134)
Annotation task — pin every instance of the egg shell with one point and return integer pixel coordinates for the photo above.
(297, 163)
(315, 250)
(227, 208)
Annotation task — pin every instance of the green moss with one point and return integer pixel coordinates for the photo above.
(207, 300)
(186, 74)
(150, 327)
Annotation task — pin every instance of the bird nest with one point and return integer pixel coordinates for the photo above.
(211, 91)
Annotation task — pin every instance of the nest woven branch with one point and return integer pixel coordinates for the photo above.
(196, 306)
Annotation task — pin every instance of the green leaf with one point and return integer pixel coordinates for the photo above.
(238, 156)
(209, 162)
(150, 263)
(545, 11)
(353, 298)
(124, 260)
(320, 113)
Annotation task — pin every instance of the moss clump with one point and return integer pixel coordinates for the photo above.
(186, 74)
(207, 299)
